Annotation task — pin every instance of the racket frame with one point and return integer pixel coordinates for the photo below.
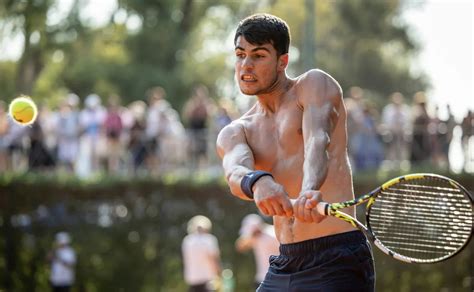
(333, 209)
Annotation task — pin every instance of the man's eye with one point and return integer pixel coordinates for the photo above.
(240, 56)
(259, 56)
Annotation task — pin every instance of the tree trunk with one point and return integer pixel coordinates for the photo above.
(308, 50)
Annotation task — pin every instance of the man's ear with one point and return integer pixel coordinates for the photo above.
(283, 61)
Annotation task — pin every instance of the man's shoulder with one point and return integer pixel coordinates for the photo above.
(233, 128)
(317, 83)
(239, 125)
(315, 75)
(229, 137)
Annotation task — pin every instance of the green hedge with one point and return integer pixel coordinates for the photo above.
(128, 233)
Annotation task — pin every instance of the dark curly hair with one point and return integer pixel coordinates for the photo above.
(262, 28)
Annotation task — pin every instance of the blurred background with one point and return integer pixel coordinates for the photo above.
(132, 94)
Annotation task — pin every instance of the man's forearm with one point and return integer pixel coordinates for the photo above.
(315, 166)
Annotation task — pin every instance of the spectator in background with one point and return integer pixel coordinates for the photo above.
(48, 119)
(68, 130)
(364, 144)
(39, 156)
(63, 261)
(196, 114)
(154, 127)
(91, 119)
(441, 133)
(222, 118)
(260, 237)
(173, 142)
(201, 255)
(420, 146)
(467, 127)
(370, 151)
(396, 122)
(137, 139)
(113, 127)
(14, 141)
(450, 123)
(3, 133)
(355, 122)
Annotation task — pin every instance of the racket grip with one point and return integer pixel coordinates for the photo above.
(322, 208)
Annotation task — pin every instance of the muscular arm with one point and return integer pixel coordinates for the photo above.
(237, 159)
(236, 155)
(319, 118)
(320, 99)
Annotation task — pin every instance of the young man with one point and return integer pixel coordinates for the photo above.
(292, 144)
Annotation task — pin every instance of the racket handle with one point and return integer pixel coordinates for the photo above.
(323, 208)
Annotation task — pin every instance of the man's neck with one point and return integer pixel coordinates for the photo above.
(270, 101)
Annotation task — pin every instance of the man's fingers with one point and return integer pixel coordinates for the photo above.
(263, 209)
(300, 209)
(271, 210)
(295, 208)
(311, 203)
(307, 214)
(316, 217)
(287, 208)
(278, 209)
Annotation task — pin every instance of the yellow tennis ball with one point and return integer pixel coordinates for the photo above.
(23, 110)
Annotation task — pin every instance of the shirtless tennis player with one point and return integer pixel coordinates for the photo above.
(287, 153)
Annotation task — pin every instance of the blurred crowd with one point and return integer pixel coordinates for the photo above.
(404, 135)
(105, 136)
(151, 138)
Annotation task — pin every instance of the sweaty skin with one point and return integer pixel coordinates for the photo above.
(296, 131)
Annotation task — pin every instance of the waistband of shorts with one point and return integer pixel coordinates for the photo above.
(322, 243)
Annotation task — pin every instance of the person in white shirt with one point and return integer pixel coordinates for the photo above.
(396, 123)
(63, 261)
(255, 234)
(92, 144)
(201, 255)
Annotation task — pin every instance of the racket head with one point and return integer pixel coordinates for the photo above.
(421, 218)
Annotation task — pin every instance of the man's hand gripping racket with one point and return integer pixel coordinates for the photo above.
(416, 218)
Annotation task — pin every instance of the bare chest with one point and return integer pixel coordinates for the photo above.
(277, 140)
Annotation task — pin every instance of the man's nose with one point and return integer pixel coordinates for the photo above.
(247, 63)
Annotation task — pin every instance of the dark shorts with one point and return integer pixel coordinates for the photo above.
(198, 288)
(336, 263)
(60, 288)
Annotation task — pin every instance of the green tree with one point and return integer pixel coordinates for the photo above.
(360, 42)
(29, 17)
(178, 44)
(163, 49)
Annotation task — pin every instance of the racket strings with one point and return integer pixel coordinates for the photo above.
(424, 219)
(424, 212)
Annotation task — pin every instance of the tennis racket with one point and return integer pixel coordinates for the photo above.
(416, 218)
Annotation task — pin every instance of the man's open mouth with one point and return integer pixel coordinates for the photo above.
(248, 78)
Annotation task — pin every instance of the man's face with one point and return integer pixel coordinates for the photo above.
(256, 66)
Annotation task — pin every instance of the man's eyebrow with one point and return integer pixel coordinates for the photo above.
(253, 50)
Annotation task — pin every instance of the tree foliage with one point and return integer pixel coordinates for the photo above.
(178, 44)
(361, 43)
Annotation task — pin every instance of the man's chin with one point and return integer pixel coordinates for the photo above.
(248, 91)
